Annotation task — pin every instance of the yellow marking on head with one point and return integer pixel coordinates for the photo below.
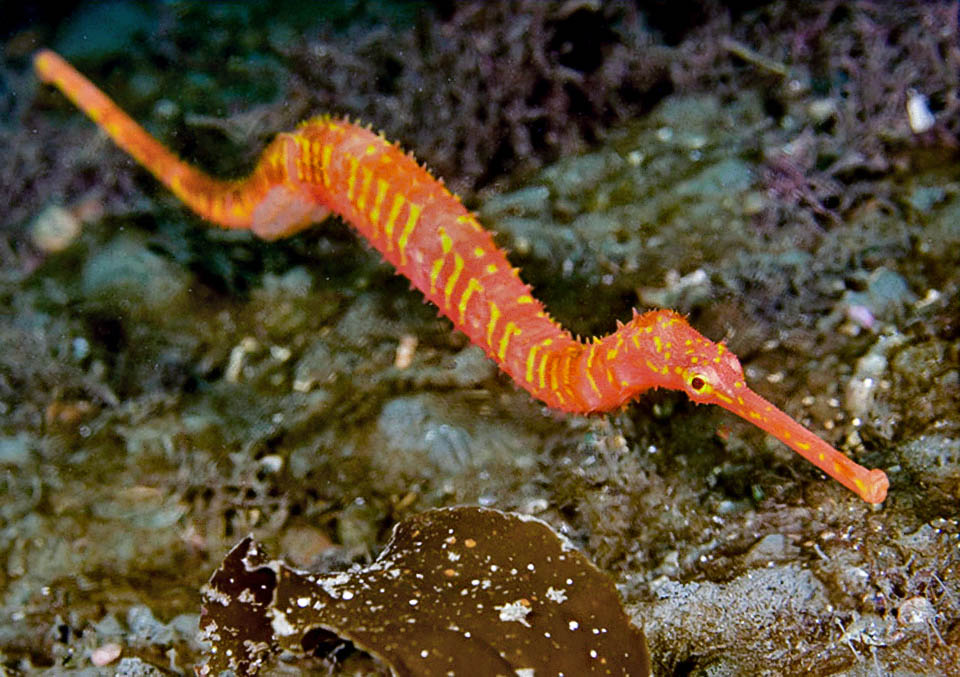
(738, 384)
(592, 353)
(694, 359)
(398, 201)
(457, 269)
(491, 268)
(654, 368)
(371, 149)
(472, 286)
(479, 252)
(636, 341)
(612, 354)
(803, 445)
(531, 357)
(553, 374)
(821, 456)
(412, 217)
(720, 396)
(364, 188)
(610, 377)
(657, 343)
(352, 178)
(325, 154)
(755, 415)
(491, 325)
(508, 332)
(525, 299)
(382, 186)
(648, 330)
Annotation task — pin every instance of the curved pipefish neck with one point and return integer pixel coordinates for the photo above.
(328, 165)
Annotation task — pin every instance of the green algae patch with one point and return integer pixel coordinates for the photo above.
(456, 591)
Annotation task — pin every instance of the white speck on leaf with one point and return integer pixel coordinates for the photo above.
(554, 595)
(514, 612)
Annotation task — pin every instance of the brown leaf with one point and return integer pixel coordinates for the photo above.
(464, 591)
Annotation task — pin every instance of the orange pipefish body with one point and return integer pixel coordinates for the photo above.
(329, 165)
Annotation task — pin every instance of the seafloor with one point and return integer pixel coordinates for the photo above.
(765, 168)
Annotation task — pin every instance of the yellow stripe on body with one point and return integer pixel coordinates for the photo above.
(592, 353)
(412, 218)
(352, 178)
(382, 186)
(531, 356)
(542, 369)
(435, 273)
(304, 170)
(472, 286)
(325, 155)
(593, 384)
(398, 201)
(510, 330)
(446, 244)
(553, 375)
(565, 374)
(491, 325)
(298, 160)
(364, 188)
(314, 158)
(448, 288)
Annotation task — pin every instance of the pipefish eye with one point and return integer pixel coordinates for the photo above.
(698, 383)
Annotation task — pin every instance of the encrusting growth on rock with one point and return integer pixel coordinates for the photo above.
(328, 165)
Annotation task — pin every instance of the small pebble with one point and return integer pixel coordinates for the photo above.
(918, 113)
(105, 654)
(54, 229)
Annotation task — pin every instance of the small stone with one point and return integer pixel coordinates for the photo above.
(54, 229)
(105, 654)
